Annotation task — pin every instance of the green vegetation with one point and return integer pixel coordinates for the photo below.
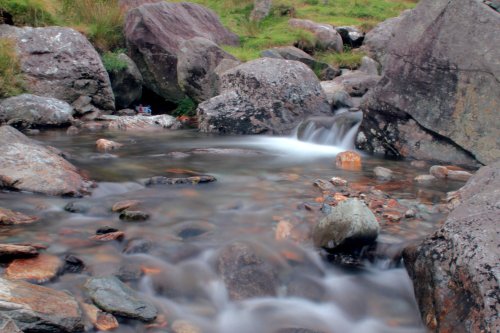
(186, 107)
(30, 12)
(350, 58)
(111, 61)
(10, 74)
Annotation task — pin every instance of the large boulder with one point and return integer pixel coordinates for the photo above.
(327, 38)
(197, 60)
(455, 271)
(442, 72)
(26, 165)
(322, 70)
(34, 111)
(126, 82)
(263, 96)
(61, 63)
(39, 309)
(154, 34)
(350, 223)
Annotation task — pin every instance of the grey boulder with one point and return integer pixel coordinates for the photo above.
(30, 111)
(350, 223)
(263, 96)
(327, 38)
(113, 296)
(357, 83)
(455, 271)
(61, 63)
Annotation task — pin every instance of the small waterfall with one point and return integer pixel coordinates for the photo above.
(339, 130)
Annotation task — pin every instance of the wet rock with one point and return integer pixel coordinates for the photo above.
(61, 63)
(144, 123)
(419, 164)
(35, 111)
(383, 173)
(337, 181)
(392, 216)
(105, 230)
(77, 207)
(323, 185)
(130, 272)
(197, 60)
(183, 326)
(113, 296)
(159, 180)
(225, 151)
(261, 9)
(349, 223)
(283, 230)
(322, 70)
(376, 41)
(104, 145)
(10, 217)
(369, 66)
(357, 83)
(163, 27)
(126, 82)
(336, 95)
(327, 38)
(458, 264)
(349, 160)
(7, 325)
(134, 215)
(73, 264)
(101, 320)
(446, 172)
(110, 236)
(27, 166)
(39, 309)
(351, 36)
(123, 205)
(448, 92)
(39, 269)
(10, 251)
(263, 96)
(245, 272)
(138, 246)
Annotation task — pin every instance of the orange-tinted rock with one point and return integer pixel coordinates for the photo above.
(104, 145)
(40, 309)
(8, 217)
(183, 326)
(459, 175)
(101, 320)
(348, 160)
(450, 172)
(13, 251)
(111, 236)
(283, 230)
(392, 216)
(425, 179)
(126, 204)
(339, 197)
(40, 269)
(439, 171)
(337, 181)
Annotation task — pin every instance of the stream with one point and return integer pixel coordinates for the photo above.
(172, 257)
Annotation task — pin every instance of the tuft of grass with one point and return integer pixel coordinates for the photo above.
(186, 107)
(350, 58)
(34, 13)
(11, 82)
(100, 20)
(111, 61)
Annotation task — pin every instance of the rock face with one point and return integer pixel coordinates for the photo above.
(357, 83)
(28, 166)
(336, 94)
(452, 93)
(34, 111)
(61, 63)
(263, 96)
(323, 70)
(455, 271)
(113, 296)
(39, 309)
(327, 38)
(349, 223)
(197, 60)
(126, 83)
(154, 34)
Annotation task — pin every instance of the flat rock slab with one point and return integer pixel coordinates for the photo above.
(113, 296)
(40, 269)
(39, 309)
(9, 217)
(144, 123)
(26, 165)
(8, 251)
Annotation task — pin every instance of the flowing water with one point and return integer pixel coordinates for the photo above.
(260, 181)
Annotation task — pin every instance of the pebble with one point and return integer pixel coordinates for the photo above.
(110, 236)
(183, 326)
(348, 160)
(383, 173)
(337, 181)
(9, 251)
(134, 215)
(10, 217)
(104, 145)
(101, 320)
(425, 179)
(126, 204)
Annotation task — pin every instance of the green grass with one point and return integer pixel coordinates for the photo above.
(111, 61)
(186, 107)
(350, 59)
(30, 12)
(11, 83)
